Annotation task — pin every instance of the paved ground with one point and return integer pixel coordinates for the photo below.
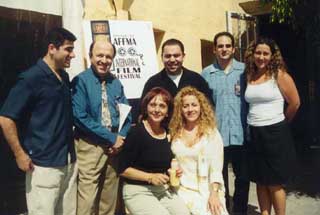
(303, 192)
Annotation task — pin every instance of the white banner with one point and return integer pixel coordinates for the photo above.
(136, 58)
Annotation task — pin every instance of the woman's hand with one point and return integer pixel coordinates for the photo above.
(158, 179)
(179, 172)
(214, 204)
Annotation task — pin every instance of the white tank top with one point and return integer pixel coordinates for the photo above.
(266, 103)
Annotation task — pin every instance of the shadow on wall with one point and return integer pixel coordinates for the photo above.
(158, 37)
(207, 55)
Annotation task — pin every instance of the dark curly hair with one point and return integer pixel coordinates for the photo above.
(276, 63)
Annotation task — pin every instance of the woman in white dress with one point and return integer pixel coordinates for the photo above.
(198, 147)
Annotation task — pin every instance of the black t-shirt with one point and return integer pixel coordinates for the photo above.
(188, 78)
(144, 152)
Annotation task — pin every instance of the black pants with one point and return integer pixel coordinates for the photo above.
(237, 156)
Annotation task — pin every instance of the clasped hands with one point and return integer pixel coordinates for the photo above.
(117, 146)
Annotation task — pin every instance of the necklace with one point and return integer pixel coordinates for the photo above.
(155, 132)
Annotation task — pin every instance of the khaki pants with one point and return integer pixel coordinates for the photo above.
(52, 191)
(97, 181)
(152, 200)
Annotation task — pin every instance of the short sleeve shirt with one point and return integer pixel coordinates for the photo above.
(228, 96)
(40, 104)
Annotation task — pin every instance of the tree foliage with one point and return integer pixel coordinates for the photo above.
(283, 10)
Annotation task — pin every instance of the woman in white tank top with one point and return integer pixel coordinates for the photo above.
(271, 146)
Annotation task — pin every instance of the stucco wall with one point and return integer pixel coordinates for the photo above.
(188, 20)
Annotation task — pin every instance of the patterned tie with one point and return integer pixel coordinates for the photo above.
(105, 113)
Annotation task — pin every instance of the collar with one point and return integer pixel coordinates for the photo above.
(109, 77)
(165, 74)
(47, 70)
(236, 65)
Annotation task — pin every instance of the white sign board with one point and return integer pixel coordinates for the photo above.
(136, 58)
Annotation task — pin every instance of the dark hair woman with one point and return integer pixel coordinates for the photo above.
(269, 86)
(146, 158)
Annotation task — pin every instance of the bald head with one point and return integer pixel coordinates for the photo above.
(101, 41)
(101, 57)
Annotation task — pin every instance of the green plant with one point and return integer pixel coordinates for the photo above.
(283, 10)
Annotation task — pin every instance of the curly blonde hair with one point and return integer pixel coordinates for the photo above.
(206, 119)
(276, 63)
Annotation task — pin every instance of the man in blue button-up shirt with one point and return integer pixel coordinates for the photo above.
(226, 80)
(38, 110)
(97, 137)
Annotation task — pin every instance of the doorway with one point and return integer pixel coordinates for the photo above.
(20, 47)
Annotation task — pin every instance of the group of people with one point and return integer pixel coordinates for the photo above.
(230, 113)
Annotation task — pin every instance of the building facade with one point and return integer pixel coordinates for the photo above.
(192, 22)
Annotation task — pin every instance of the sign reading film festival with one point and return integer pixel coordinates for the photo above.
(135, 60)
